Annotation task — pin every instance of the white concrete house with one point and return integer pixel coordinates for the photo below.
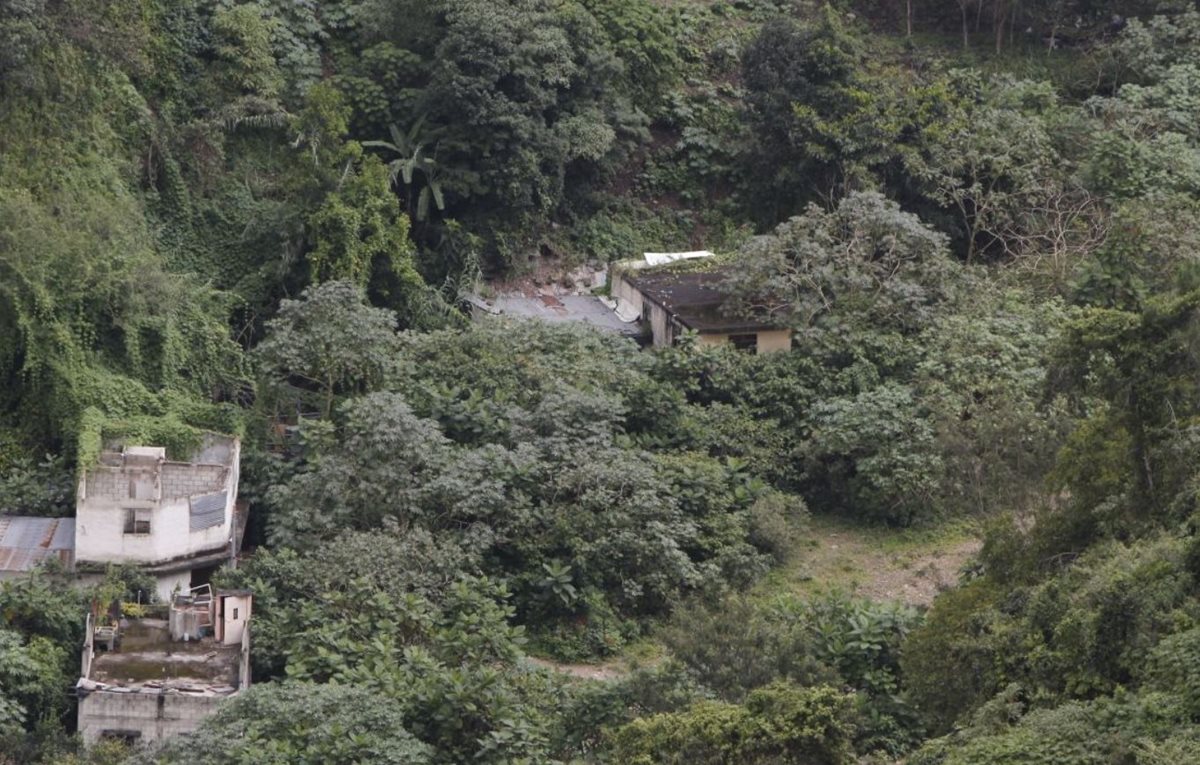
(145, 680)
(172, 519)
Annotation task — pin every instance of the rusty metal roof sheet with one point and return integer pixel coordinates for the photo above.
(26, 541)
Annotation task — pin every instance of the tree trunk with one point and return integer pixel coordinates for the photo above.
(1141, 454)
(962, 6)
(329, 386)
(999, 16)
(908, 18)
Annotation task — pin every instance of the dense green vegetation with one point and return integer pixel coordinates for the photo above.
(980, 219)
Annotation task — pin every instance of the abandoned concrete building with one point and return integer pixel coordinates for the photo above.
(670, 302)
(650, 300)
(175, 520)
(146, 679)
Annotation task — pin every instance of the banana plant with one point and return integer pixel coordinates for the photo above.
(413, 157)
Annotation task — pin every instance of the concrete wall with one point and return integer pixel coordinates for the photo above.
(156, 715)
(244, 662)
(623, 290)
(711, 338)
(769, 340)
(166, 584)
(89, 647)
(100, 532)
(662, 330)
(180, 479)
(104, 497)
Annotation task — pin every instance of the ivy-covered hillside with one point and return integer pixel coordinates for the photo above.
(511, 541)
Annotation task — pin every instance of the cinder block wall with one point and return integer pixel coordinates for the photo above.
(156, 715)
(179, 480)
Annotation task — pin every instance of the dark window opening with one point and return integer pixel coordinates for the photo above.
(137, 521)
(202, 576)
(744, 342)
(125, 736)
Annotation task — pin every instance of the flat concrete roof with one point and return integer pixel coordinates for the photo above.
(584, 309)
(148, 659)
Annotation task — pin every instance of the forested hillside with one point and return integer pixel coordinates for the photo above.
(980, 219)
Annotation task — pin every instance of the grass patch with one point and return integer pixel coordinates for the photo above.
(881, 563)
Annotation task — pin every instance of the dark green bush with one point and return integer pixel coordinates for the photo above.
(777, 723)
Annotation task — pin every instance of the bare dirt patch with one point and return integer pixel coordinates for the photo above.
(612, 670)
(880, 564)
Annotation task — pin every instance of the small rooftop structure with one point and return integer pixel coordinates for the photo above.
(144, 454)
(671, 301)
(146, 679)
(26, 541)
(694, 300)
(662, 258)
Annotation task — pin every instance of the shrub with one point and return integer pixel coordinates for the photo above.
(735, 646)
(950, 662)
(776, 522)
(778, 723)
(1174, 666)
(36, 488)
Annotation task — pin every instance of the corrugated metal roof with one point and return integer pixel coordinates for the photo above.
(26, 541)
(207, 511)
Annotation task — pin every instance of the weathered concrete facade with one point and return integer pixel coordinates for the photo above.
(138, 507)
(653, 316)
(767, 340)
(142, 717)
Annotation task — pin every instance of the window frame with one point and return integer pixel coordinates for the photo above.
(138, 522)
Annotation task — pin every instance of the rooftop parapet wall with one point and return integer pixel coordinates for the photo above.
(167, 480)
(187, 480)
(143, 717)
(148, 660)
